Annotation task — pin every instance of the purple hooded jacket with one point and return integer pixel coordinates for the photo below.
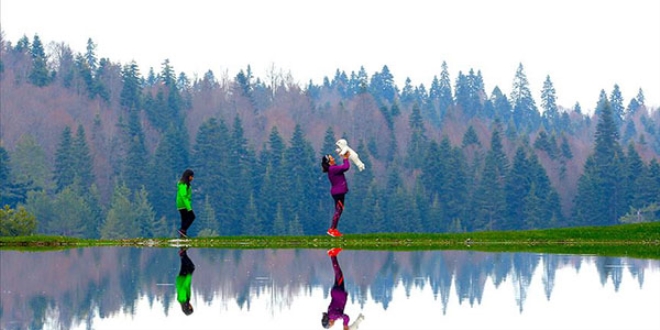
(337, 304)
(337, 178)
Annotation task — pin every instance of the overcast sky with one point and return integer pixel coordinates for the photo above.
(585, 46)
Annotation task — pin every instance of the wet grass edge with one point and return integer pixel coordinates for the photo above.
(630, 240)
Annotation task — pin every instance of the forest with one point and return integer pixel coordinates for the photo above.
(93, 148)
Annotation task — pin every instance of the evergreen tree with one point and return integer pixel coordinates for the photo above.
(431, 172)
(65, 161)
(357, 219)
(634, 172)
(445, 98)
(208, 221)
(518, 186)
(274, 178)
(131, 91)
(121, 219)
(29, 165)
(602, 102)
(11, 193)
(647, 186)
(303, 190)
(382, 86)
(501, 105)
(39, 204)
(525, 113)
(407, 96)
(212, 161)
(418, 140)
(83, 161)
(253, 223)
(169, 161)
(135, 165)
(616, 102)
(71, 213)
(39, 75)
(244, 174)
(548, 213)
(549, 105)
(397, 203)
(600, 197)
(454, 185)
(145, 224)
(489, 206)
(462, 93)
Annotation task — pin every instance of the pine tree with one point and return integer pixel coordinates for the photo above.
(616, 102)
(71, 213)
(64, 161)
(39, 75)
(518, 186)
(274, 178)
(490, 202)
(525, 113)
(445, 98)
(131, 91)
(120, 220)
(634, 172)
(135, 165)
(243, 173)
(169, 161)
(418, 140)
(501, 105)
(212, 164)
(601, 194)
(304, 192)
(144, 224)
(83, 159)
(549, 105)
(208, 222)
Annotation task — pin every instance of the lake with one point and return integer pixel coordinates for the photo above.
(136, 288)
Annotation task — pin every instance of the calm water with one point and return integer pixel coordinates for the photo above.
(135, 288)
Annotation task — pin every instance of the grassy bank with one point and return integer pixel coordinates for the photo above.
(634, 240)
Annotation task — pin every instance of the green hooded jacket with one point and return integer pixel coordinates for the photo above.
(183, 197)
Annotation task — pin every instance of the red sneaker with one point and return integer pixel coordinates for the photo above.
(334, 232)
(334, 252)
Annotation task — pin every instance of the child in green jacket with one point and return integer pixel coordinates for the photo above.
(184, 202)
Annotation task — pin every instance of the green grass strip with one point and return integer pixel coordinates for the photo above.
(632, 240)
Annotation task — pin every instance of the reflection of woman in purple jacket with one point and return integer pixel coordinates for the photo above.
(338, 296)
(339, 187)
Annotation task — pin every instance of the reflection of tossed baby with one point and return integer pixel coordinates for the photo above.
(356, 324)
(342, 148)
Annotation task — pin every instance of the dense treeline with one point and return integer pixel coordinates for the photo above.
(94, 148)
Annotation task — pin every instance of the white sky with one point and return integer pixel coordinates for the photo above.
(585, 46)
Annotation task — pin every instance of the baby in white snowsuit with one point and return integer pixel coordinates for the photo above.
(342, 148)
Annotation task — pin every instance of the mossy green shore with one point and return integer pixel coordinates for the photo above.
(631, 240)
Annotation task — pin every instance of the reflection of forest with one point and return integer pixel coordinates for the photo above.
(81, 283)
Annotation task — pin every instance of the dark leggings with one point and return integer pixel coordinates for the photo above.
(339, 275)
(339, 208)
(187, 218)
(187, 266)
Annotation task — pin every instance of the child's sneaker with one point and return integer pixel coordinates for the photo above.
(334, 252)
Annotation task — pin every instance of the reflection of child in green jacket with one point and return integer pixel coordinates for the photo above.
(183, 281)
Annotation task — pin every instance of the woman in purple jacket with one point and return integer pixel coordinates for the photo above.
(339, 187)
(338, 296)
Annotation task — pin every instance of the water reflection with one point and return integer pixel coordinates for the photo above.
(339, 297)
(184, 280)
(140, 288)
